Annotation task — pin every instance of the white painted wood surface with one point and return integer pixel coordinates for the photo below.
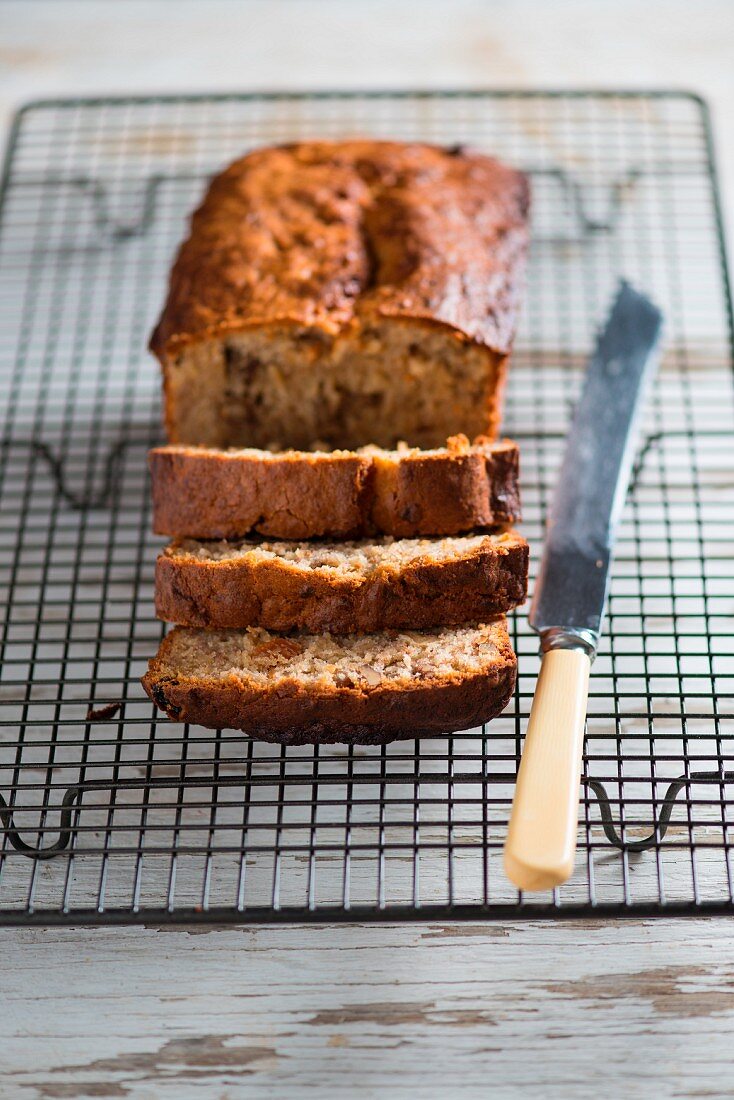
(565, 1011)
(619, 1009)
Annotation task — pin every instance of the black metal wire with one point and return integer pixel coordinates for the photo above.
(110, 813)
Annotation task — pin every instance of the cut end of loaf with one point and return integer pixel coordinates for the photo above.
(406, 381)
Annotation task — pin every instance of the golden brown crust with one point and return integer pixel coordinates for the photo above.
(201, 493)
(209, 494)
(293, 713)
(324, 235)
(487, 580)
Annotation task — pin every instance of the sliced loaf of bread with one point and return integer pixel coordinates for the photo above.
(321, 688)
(204, 493)
(342, 587)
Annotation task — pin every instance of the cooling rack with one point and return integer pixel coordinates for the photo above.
(110, 812)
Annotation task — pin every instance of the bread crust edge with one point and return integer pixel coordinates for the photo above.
(489, 580)
(206, 493)
(289, 714)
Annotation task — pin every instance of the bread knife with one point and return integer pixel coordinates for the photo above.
(567, 610)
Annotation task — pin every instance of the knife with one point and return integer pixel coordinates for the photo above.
(568, 606)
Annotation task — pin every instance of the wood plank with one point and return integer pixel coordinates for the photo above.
(627, 1008)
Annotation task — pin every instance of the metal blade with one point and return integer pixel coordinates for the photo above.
(572, 585)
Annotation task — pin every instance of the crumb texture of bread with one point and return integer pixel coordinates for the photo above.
(360, 688)
(206, 493)
(342, 587)
(353, 292)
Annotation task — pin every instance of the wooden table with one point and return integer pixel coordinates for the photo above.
(620, 1009)
(633, 1008)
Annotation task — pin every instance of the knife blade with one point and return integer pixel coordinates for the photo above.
(571, 588)
(570, 596)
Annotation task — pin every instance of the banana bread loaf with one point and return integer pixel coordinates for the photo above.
(353, 292)
(342, 587)
(320, 688)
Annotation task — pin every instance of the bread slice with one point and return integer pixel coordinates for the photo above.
(342, 587)
(353, 291)
(203, 493)
(320, 688)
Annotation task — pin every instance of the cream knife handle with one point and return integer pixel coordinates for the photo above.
(541, 838)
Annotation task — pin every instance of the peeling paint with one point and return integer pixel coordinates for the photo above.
(179, 1057)
(401, 1013)
(77, 1090)
(458, 931)
(670, 990)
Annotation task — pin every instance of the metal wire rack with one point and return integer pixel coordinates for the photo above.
(111, 813)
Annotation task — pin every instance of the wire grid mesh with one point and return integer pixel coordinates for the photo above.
(141, 818)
